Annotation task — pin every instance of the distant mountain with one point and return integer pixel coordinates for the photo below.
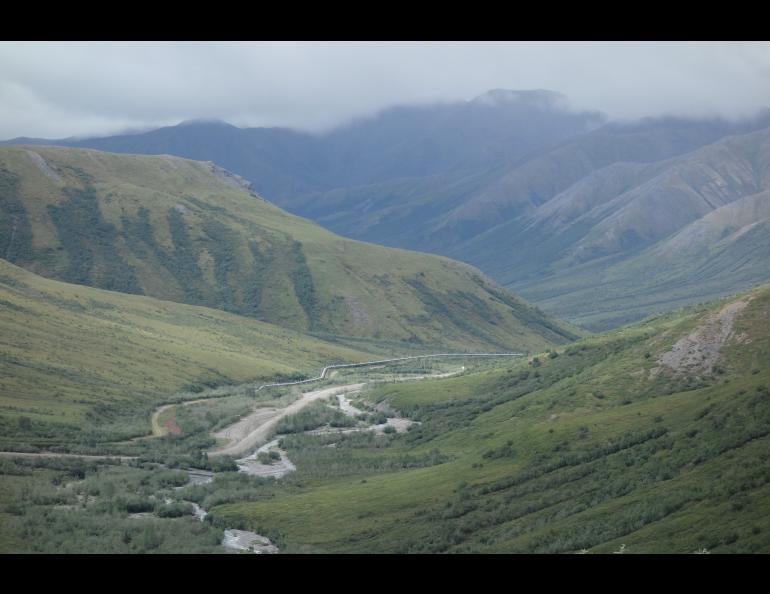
(540, 198)
(192, 232)
(632, 238)
(438, 213)
(566, 217)
(398, 142)
(419, 141)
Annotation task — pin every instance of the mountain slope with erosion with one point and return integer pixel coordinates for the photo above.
(191, 232)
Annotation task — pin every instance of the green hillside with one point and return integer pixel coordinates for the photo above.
(652, 438)
(724, 251)
(75, 359)
(191, 232)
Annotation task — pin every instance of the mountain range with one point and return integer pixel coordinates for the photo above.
(147, 291)
(584, 217)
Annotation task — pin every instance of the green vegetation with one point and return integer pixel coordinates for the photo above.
(592, 449)
(185, 268)
(76, 506)
(173, 229)
(118, 356)
(304, 289)
(595, 446)
(90, 241)
(313, 416)
(268, 457)
(15, 230)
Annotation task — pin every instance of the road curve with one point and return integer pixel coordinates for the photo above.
(157, 430)
(366, 363)
(262, 430)
(258, 425)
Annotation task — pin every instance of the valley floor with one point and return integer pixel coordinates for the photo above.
(607, 445)
(164, 504)
(651, 439)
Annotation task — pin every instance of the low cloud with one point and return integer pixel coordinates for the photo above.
(62, 89)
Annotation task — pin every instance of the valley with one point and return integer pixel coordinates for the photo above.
(166, 504)
(144, 394)
(598, 223)
(609, 442)
(588, 450)
(500, 324)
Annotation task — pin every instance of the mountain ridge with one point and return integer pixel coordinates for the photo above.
(422, 139)
(184, 231)
(588, 237)
(449, 180)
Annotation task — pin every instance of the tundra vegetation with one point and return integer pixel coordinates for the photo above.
(589, 450)
(173, 229)
(614, 442)
(77, 506)
(596, 449)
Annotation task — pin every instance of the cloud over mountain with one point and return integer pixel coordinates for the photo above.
(60, 89)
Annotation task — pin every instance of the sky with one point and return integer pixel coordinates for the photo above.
(56, 90)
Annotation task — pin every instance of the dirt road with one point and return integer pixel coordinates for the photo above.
(257, 426)
(157, 429)
(57, 455)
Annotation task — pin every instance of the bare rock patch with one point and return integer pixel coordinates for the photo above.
(44, 166)
(698, 351)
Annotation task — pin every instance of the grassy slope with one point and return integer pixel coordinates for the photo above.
(723, 252)
(170, 228)
(632, 238)
(77, 356)
(583, 451)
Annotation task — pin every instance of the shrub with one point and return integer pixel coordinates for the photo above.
(268, 457)
(176, 509)
(314, 416)
(135, 505)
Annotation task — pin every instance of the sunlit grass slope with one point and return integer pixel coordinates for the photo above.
(190, 232)
(74, 356)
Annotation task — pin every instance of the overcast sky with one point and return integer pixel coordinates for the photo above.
(55, 90)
